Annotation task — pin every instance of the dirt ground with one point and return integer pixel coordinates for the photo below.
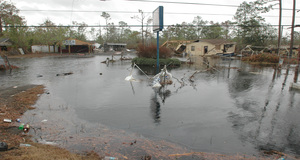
(14, 101)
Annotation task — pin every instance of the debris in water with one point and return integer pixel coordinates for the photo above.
(25, 145)
(7, 120)
(3, 146)
(110, 158)
(64, 74)
(162, 78)
(129, 78)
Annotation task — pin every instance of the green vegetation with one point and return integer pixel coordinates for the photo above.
(151, 61)
(263, 58)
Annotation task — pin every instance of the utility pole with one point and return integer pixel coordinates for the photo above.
(293, 27)
(0, 25)
(279, 27)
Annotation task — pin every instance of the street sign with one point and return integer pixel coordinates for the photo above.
(158, 19)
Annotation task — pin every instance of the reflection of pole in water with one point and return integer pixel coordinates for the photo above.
(297, 68)
(132, 87)
(274, 74)
(155, 108)
(229, 67)
(285, 78)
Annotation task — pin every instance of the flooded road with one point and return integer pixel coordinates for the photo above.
(234, 108)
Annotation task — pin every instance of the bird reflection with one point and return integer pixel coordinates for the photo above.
(155, 103)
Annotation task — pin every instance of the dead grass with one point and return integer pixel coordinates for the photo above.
(45, 152)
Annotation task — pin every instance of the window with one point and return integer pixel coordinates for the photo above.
(205, 49)
(193, 48)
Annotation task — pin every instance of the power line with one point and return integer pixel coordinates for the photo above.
(190, 3)
(207, 4)
(130, 12)
(119, 26)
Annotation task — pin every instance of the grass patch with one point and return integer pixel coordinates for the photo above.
(151, 61)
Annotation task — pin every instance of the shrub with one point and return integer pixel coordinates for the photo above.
(151, 61)
(151, 51)
(270, 58)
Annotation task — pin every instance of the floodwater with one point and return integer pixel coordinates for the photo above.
(234, 108)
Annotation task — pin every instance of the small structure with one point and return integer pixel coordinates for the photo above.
(5, 44)
(72, 45)
(285, 50)
(210, 47)
(44, 49)
(94, 44)
(114, 47)
(178, 46)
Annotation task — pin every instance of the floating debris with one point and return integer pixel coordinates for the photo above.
(162, 78)
(7, 120)
(64, 74)
(295, 86)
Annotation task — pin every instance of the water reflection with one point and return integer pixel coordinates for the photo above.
(155, 107)
(269, 121)
(160, 94)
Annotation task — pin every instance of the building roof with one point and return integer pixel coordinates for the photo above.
(3, 39)
(79, 42)
(214, 41)
(115, 44)
(5, 42)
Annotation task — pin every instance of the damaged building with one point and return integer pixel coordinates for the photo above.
(211, 47)
(114, 47)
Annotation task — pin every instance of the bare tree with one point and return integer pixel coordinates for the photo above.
(106, 16)
(141, 19)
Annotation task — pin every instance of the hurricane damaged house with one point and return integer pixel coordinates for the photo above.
(76, 46)
(114, 47)
(210, 47)
(5, 44)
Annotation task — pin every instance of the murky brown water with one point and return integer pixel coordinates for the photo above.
(234, 108)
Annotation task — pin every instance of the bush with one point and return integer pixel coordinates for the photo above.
(151, 61)
(151, 51)
(270, 58)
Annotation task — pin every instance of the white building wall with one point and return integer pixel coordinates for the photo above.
(44, 49)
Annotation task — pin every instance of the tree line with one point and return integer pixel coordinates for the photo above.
(248, 27)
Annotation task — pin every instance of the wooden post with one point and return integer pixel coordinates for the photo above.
(297, 67)
(279, 28)
(0, 26)
(69, 49)
(293, 28)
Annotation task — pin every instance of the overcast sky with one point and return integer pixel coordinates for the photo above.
(123, 10)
